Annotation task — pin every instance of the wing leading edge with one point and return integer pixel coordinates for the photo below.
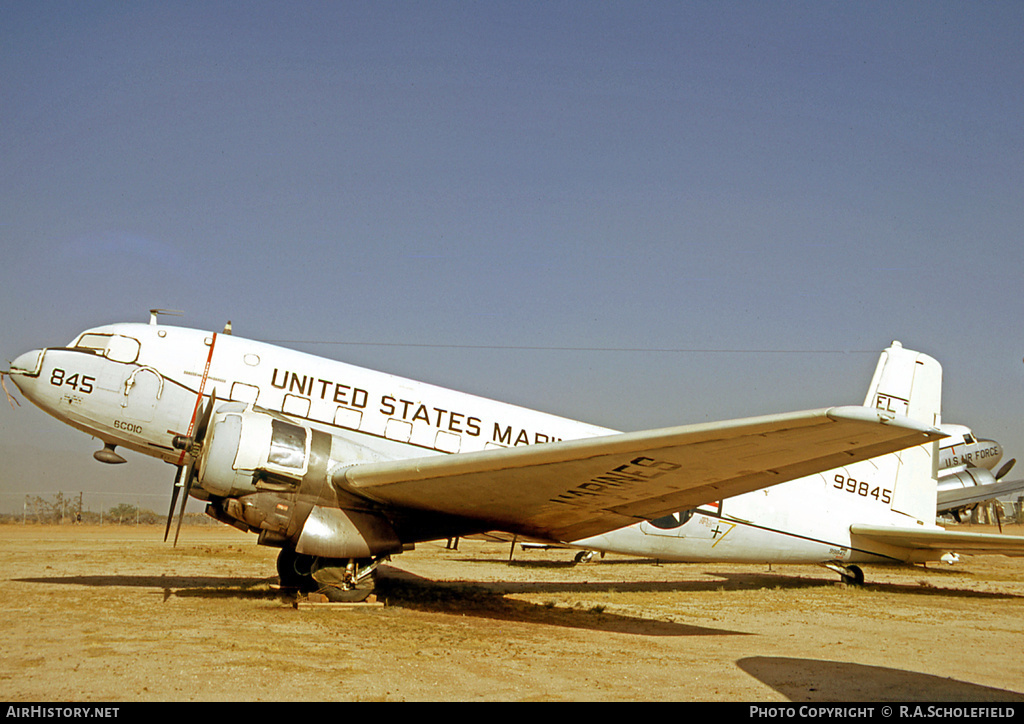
(570, 490)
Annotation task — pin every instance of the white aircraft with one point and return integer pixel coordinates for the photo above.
(966, 479)
(878, 510)
(341, 467)
(961, 449)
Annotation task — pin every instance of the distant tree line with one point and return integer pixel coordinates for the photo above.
(68, 509)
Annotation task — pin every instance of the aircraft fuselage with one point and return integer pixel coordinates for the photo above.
(143, 387)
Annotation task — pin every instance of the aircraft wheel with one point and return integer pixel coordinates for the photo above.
(296, 570)
(346, 581)
(346, 595)
(583, 557)
(853, 576)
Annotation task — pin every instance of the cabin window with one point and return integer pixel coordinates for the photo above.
(295, 405)
(344, 417)
(447, 442)
(399, 430)
(241, 392)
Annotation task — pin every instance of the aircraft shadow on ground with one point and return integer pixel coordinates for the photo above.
(813, 680)
(406, 591)
(726, 581)
(490, 601)
(181, 586)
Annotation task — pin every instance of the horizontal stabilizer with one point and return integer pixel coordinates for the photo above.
(937, 539)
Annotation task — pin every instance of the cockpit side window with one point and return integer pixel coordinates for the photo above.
(123, 349)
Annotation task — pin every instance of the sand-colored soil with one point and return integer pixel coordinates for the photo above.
(114, 614)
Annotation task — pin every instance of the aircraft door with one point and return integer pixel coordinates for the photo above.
(142, 389)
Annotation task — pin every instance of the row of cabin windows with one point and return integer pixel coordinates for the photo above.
(119, 348)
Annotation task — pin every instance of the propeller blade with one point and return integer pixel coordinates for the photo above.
(195, 452)
(1006, 468)
(174, 498)
(204, 421)
(184, 499)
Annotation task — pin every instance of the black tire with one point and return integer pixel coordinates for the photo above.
(854, 576)
(295, 570)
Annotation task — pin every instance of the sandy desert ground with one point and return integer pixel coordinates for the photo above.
(113, 613)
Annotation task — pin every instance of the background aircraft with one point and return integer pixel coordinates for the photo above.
(341, 466)
(966, 479)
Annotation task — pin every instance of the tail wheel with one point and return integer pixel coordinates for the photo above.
(854, 576)
(849, 574)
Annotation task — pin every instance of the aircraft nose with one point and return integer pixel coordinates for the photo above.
(24, 371)
(26, 364)
(997, 452)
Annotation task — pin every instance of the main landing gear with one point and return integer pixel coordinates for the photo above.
(851, 575)
(339, 579)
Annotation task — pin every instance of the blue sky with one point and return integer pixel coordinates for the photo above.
(632, 213)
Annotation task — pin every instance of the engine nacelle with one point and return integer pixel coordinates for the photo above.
(967, 478)
(273, 476)
(337, 533)
(242, 448)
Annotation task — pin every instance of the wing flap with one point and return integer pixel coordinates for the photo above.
(575, 489)
(938, 539)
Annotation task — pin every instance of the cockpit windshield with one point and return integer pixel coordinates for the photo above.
(115, 347)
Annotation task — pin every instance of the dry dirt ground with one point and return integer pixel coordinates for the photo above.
(114, 614)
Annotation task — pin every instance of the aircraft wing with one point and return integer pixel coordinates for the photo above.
(568, 490)
(931, 539)
(959, 497)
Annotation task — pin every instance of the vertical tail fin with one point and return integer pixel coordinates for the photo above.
(907, 383)
(910, 383)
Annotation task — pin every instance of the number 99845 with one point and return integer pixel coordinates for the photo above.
(861, 488)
